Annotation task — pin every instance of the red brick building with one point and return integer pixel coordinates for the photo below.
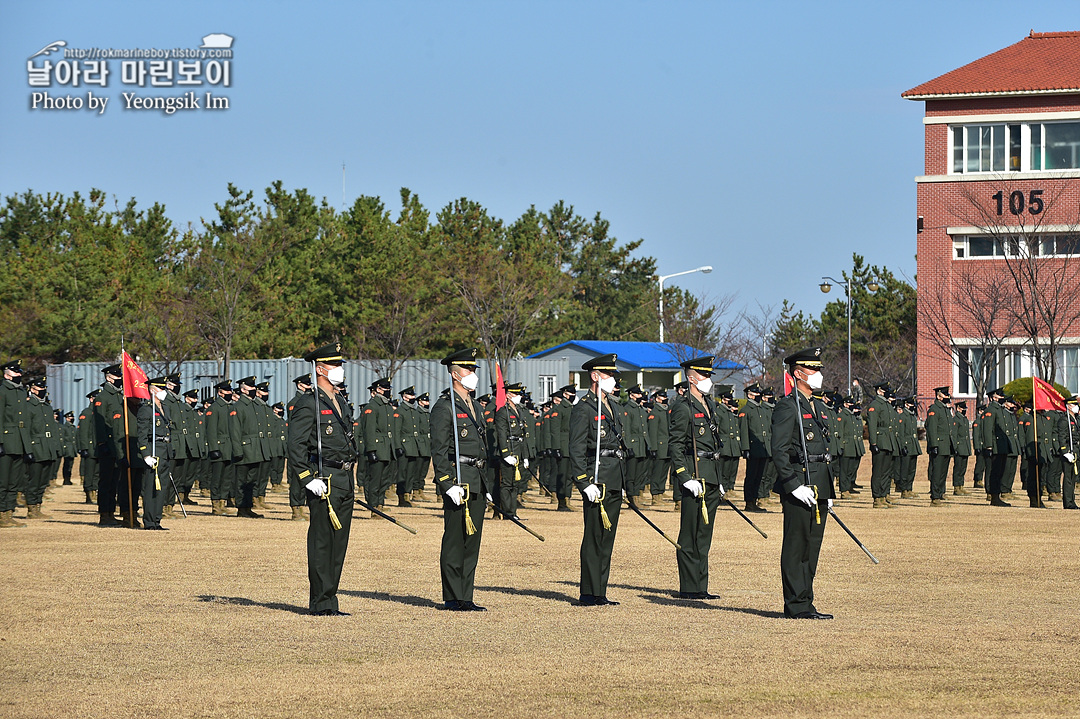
(999, 214)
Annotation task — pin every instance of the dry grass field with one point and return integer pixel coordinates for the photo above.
(972, 612)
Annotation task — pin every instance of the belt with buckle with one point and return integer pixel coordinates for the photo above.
(819, 458)
(616, 453)
(332, 463)
(702, 454)
(477, 462)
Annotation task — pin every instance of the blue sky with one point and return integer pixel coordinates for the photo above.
(768, 139)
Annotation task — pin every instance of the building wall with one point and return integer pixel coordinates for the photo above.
(954, 202)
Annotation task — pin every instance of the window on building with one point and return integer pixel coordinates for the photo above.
(1007, 365)
(1046, 244)
(1015, 147)
(547, 386)
(1068, 368)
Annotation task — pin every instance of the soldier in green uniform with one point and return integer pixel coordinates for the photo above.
(322, 452)
(87, 449)
(512, 448)
(297, 492)
(249, 425)
(851, 446)
(800, 452)
(911, 426)
(727, 422)
(67, 437)
(598, 465)
(409, 437)
(14, 441)
(562, 405)
(1036, 434)
(459, 449)
(266, 442)
(756, 445)
(45, 447)
(1068, 432)
(378, 442)
(768, 479)
(279, 443)
(884, 446)
(961, 442)
(423, 442)
(982, 465)
(635, 438)
(660, 439)
(109, 409)
(697, 440)
(1000, 443)
(223, 444)
(940, 442)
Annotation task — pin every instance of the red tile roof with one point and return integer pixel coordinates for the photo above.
(1043, 62)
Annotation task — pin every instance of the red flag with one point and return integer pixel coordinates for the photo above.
(500, 390)
(1044, 396)
(789, 384)
(135, 380)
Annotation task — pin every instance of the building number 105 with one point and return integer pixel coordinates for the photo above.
(1016, 202)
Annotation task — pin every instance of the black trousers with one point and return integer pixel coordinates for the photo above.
(803, 532)
(881, 476)
(326, 546)
(597, 543)
(695, 534)
(1002, 473)
(755, 470)
(959, 469)
(247, 482)
(460, 551)
(379, 475)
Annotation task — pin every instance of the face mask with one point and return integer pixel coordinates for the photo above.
(704, 385)
(607, 385)
(160, 394)
(515, 398)
(336, 375)
(815, 380)
(118, 383)
(469, 381)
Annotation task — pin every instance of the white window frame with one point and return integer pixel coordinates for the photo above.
(1025, 144)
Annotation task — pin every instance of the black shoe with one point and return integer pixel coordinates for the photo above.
(107, 520)
(996, 501)
(687, 595)
(604, 601)
(823, 615)
(706, 595)
(853, 491)
(811, 615)
(67, 482)
(158, 527)
(1071, 506)
(756, 509)
(451, 605)
(564, 509)
(857, 486)
(588, 600)
(471, 607)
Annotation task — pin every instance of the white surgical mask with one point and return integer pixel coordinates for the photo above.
(607, 385)
(469, 381)
(160, 394)
(515, 398)
(815, 380)
(704, 385)
(336, 375)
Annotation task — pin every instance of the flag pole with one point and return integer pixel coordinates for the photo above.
(127, 434)
(1035, 425)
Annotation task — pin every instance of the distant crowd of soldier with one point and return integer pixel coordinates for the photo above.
(233, 447)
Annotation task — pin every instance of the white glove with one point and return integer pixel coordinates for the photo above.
(830, 504)
(1069, 457)
(488, 498)
(592, 493)
(456, 494)
(510, 459)
(694, 487)
(151, 462)
(805, 494)
(722, 492)
(316, 486)
(525, 463)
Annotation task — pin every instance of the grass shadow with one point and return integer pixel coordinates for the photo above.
(699, 604)
(245, 602)
(407, 599)
(539, 593)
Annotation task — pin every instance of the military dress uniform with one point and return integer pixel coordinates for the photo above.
(559, 431)
(940, 443)
(324, 423)
(851, 448)
(423, 442)
(961, 442)
(601, 517)
(730, 436)
(459, 453)
(223, 444)
(67, 437)
(155, 441)
(1068, 432)
(1000, 441)
(378, 445)
(512, 441)
(660, 422)
(756, 445)
(45, 449)
(112, 445)
(297, 492)
(695, 448)
(884, 446)
(799, 445)
(87, 449)
(409, 436)
(14, 442)
(637, 442)
(248, 468)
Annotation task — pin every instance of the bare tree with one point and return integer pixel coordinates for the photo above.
(1039, 258)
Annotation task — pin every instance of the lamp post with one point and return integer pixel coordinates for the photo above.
(706, 269)
(825, 286)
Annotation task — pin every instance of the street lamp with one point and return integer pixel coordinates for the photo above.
(706, 269)
(825, 286)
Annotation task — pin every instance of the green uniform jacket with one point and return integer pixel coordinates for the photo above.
(378, 428)
(1037, 435)
(835, 438)
(730, 433)
(423, 421)
(939, 428)
(582, 451)
(660, 430)
(67, 437)
(694, 425)
(561, 415)
(155, 427)
(222, 430)
(1000, 431)
(789, 430)
(471, 432)
(14, 420)
(754, 430)
(250, 425)
(882, 424)
(637, 429)
(331, 426)
(45, 441)
(1068, 438)
(851, 441)
(512, 432)
(84, 435)
(910, 430)
(961, 435)
(410, 428)
(109, 411)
